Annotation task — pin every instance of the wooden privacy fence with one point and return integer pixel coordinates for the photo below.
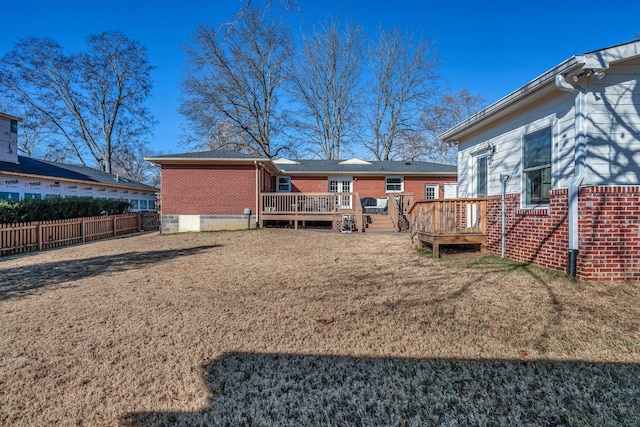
(35, 236)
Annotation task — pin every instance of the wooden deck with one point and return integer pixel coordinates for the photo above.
(449, 222)
(341, 209)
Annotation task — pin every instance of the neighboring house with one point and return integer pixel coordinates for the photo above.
(212, 190)
(24, 177)
(569, 143)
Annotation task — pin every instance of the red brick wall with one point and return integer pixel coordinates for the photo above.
(609, 240)
(537, 236)
(416, 185)
(309, 184)
(609, 221)
(207, 190)
(369, 186)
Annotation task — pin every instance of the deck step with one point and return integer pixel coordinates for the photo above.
(379, 224)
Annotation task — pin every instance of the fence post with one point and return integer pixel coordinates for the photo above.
(114, 226)
(39, 237)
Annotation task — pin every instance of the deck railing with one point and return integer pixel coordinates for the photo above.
(310, 207)
(308, 203)
(33, 236)
(449, 217)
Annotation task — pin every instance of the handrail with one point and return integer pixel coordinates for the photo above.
(449, 216)
(392, 207)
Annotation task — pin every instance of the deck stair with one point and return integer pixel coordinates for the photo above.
(378, 223)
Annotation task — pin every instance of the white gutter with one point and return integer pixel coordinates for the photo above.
(578, 174)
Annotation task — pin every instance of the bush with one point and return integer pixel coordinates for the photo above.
(59, 208)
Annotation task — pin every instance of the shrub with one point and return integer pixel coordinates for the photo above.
(59, 208)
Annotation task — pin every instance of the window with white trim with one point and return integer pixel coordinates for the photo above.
(394, 184)
(537, 166)
(482, 175)
(283, 184)
(430, 191)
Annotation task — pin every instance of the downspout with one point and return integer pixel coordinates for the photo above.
(257, 165)
(503, 181)
(579, 161)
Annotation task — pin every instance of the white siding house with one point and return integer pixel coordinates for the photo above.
(569, 141)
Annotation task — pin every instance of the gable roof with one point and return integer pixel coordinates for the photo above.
(336, 167)
(47, 169)
(596, 60)
(308, 167)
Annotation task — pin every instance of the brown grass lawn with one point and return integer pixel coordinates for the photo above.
(283, 327)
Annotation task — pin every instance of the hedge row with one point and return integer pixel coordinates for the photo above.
(59, 208)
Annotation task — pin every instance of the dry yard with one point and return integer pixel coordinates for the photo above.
(283, 327)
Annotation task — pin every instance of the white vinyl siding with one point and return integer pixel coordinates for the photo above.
(506, 137)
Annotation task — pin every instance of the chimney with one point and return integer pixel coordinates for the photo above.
(8, 140)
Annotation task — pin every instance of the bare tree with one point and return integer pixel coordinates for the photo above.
(234, 78)
(452, 109)
(92, 100)
(326, 83)
(404, 78)
(129, 162)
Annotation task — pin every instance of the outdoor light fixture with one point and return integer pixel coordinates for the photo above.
(599, 75)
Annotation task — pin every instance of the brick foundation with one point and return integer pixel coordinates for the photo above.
(609, 223)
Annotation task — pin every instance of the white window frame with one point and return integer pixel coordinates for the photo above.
(476, 166)
(525, 171)
(286, 182)
(436, 191)
(386, 184)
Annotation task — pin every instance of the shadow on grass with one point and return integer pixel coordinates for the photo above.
(21, 281)
(283, 389)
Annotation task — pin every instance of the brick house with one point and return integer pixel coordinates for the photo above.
(565, 151)
(213, 189)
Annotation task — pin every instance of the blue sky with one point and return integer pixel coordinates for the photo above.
(491, 48)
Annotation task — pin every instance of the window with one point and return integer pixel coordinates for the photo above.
(28, 196)
(134, 203)
(12, 197)
(143, 205)
(430, 191)
(394, 184)
(481, 176)
(537, 166)
(283, 184)
(152, 205)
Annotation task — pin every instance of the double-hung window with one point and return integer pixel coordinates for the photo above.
(394, 184)
(283, 184)
(537, 166)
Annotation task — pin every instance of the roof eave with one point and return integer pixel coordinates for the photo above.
(501, 106)
(377, 173)
(596, 60)
(119, 184)
(266, 163)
